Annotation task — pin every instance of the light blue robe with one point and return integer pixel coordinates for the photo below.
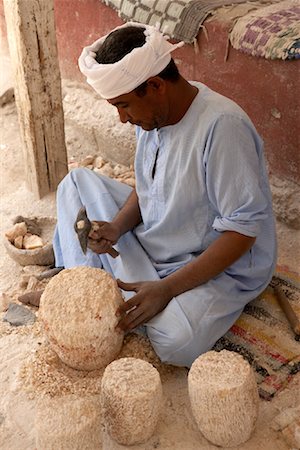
(210, 177)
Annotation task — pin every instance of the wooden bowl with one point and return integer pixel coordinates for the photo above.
(43, 256)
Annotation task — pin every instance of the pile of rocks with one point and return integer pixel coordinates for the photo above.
(99, 165)
(25, 234)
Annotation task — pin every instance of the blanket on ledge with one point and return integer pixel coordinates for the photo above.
(180, 19)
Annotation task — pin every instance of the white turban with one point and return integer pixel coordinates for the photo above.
(112, 80)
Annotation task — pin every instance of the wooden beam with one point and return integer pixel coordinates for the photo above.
(33, 51)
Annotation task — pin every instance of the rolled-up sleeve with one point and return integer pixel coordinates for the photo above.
(232, 165)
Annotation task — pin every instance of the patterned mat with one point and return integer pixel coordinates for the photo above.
(264, 337)
(180, 19)
(272, 32)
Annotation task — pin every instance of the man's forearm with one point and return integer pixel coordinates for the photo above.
(130, 215)
(222, 253)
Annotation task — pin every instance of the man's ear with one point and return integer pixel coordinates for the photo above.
(157, 84)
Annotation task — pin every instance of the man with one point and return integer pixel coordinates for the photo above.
(196, 237)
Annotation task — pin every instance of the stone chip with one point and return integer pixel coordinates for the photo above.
(18, 315)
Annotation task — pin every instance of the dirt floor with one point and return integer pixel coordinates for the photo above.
(25, 376)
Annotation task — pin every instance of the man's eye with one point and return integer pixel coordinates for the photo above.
(121, 106)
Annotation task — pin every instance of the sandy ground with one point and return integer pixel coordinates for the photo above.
(18, 406)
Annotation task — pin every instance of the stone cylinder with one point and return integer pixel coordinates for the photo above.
(78, 312)
(68, 423)
(224, 397)
(131, 400)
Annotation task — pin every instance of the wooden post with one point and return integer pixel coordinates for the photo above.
(33, 51)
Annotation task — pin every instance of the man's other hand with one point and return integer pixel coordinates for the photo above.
(150, 299)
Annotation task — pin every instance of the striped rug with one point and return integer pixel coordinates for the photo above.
(264, 337)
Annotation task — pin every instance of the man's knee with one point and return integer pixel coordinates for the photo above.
(168, 345)
(70, 177)
(181, 348)
(75, 177)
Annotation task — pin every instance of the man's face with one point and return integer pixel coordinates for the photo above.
(148, 111)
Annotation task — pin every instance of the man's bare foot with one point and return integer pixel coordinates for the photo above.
(31, 298)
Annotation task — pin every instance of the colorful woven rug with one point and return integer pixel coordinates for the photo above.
(180, 19)
(264, 337)
(272, 32)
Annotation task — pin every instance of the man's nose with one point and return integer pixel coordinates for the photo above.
(123, 115)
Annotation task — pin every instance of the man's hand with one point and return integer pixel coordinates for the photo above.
(102, 236)
(108, 233)
(150, 299)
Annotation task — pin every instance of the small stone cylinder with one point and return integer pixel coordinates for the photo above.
(68, 423)
(224, 397)
(131, 400)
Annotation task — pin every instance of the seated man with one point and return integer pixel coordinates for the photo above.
(196, 236)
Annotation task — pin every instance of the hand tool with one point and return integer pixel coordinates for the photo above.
(83, 226)
(288, 311)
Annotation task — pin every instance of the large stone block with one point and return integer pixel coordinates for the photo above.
(78, 310)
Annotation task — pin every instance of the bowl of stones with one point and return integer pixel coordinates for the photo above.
(29, 240)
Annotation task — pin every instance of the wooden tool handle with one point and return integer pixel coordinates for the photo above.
(113, 252)
(288, 310)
